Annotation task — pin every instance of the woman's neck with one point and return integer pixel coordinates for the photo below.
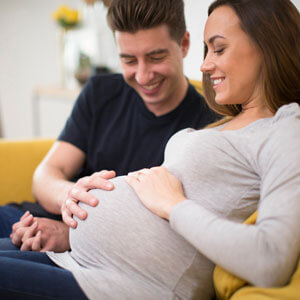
(248, 115)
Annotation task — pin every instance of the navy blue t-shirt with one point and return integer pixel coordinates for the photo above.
(112, 126)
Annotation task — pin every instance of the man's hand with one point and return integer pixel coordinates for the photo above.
(40, 234)
(79, 193)
(21, 227)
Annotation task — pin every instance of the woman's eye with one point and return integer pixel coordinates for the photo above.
(219, 51)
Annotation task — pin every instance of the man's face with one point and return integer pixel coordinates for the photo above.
(152, 64)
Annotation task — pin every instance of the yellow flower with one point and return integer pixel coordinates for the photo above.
(66, 17)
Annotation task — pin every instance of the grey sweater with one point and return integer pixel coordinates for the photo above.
(123, 251)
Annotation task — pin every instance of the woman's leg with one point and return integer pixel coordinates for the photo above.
(32, 275)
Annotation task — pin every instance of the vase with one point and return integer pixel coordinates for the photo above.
(68, 57)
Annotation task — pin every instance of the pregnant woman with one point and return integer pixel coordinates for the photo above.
(158, 234)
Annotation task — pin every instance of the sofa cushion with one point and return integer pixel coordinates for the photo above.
(228, 286)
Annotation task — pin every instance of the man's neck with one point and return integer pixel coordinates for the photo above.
(163, 108)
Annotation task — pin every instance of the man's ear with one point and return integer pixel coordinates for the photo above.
(185, 44)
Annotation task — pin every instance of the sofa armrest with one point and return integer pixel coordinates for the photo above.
(197, 85)
(18, 160)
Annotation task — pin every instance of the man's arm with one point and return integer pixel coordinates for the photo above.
(51, 180)
(54, 190)
(56, 193)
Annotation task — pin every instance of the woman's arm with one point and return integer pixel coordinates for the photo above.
(264, 254)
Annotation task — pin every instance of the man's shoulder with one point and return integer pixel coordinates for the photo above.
(197, 104)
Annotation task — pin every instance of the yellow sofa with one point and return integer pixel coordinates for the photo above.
(18, 160)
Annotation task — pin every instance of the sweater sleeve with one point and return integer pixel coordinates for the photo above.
(264, 254)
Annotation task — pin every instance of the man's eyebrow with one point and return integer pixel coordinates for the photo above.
(157, 51)
(124, 55)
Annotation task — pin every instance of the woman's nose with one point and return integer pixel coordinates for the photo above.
(207, 66)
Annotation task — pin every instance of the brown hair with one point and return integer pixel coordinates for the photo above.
(133, 15)
(274, 27)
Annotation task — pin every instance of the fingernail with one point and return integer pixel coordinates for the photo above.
(94, 202)
(109, 185)
(82, 215)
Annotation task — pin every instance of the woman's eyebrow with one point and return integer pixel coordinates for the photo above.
(214, 37)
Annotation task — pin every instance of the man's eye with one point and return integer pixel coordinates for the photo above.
(157, 58)
(128, 61)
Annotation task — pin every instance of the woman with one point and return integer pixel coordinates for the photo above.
(210, 182)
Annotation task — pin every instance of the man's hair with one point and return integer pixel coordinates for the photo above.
(133, 15)
(274, 28)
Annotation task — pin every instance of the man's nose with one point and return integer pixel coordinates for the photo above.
(143, 74)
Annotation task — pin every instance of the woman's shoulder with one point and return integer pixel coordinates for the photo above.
(286, 123)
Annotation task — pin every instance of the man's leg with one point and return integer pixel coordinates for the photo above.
(8, 216)
(6, 244)
(32, 275)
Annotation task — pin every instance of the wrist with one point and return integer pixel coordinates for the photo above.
(169, 208)
(66, 190)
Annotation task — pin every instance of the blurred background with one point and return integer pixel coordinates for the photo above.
(44, 62)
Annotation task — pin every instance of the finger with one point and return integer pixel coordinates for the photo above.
(80, 195)
(68, 220)
(27, 245)
(30, 231)
(95, 181)
(27, 221)
(101, 181)
(74, 209)
(27, 213)
(17, 236)
(107, 174)
(37, 242)
(139, 175)
(132, 181)
(144, 171)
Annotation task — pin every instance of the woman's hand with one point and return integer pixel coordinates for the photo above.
(158, 189)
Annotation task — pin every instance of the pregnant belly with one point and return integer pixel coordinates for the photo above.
(122, 232)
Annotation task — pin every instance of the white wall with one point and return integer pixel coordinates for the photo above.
(29, 55)
(196, 14)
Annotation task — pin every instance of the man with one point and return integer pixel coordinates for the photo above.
(119, 123)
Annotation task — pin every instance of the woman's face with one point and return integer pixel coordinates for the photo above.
(232, 61)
